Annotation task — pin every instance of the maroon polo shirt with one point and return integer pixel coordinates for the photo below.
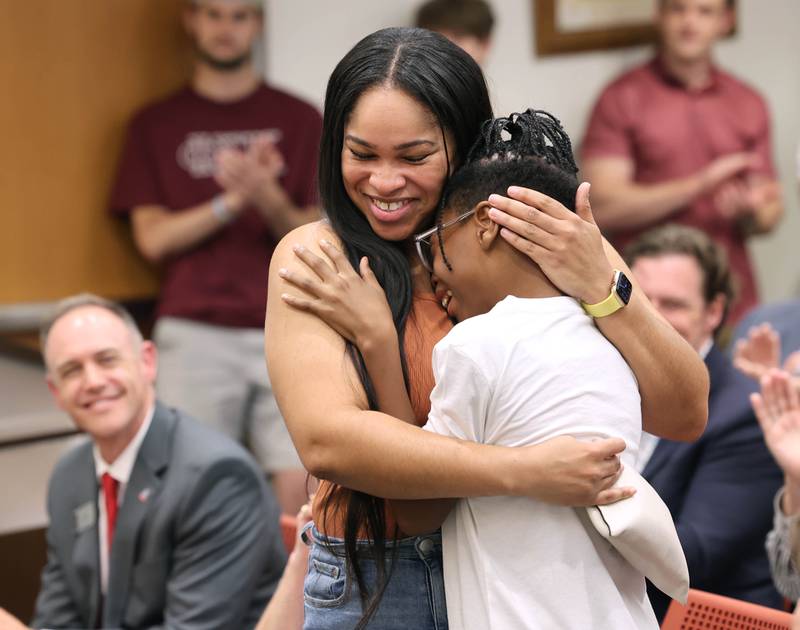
(670, 132)
(168, 161)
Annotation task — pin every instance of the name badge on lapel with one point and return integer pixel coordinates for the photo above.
(85, 516)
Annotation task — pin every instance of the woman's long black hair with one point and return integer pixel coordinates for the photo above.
(447, 82)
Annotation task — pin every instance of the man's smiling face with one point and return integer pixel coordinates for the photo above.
(100, 374)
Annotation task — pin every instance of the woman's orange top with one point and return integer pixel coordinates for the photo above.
(426, 325)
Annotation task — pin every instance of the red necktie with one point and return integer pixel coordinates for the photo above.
(110, 488)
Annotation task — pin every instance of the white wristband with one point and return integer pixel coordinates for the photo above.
(221, 210)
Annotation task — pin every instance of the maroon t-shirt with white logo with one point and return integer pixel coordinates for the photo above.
(168, 161)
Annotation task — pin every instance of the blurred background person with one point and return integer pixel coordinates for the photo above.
(769, 337)
(718, 488)
(762, 350)
(155, 520)
(678, 139)
(212, 177)
(286, 608)
(778, 410)
(466, 23)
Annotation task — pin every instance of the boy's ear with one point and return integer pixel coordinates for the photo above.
(487, 230)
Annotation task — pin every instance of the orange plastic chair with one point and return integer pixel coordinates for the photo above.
(706, 611)
(288, 531)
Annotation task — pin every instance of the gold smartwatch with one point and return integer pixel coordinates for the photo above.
(621, 289)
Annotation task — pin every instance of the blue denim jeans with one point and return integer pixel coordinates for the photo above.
(414, 595)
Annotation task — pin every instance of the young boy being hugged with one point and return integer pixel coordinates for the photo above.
(525, 364)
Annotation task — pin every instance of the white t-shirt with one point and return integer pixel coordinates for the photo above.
(527, 371)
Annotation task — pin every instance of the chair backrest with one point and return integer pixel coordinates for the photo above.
(288, 531)
(709, 611)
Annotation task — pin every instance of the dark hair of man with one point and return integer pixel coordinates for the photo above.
(530, 149)
(448, 83)
(461, 17)
(79, 301)
(684, 240)
(729, 4)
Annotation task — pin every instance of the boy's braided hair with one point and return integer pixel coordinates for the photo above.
(529, 149)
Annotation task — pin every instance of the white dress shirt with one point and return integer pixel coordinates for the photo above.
(120, 470)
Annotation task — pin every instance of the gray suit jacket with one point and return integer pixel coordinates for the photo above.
(196, 545)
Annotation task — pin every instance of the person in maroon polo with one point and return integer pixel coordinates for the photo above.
(677, 139)
(211, 178)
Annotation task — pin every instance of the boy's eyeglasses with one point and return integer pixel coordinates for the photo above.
(423, 239)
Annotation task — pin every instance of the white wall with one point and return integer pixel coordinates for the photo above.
(305, 39)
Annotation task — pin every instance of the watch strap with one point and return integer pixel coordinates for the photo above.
(608, 306)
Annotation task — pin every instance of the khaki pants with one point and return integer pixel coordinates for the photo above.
(219, 375)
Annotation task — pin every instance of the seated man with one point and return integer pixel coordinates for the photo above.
(719, 488)
(155, 520)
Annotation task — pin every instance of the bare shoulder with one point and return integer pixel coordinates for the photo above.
(299, 344)
(308, 235)
(311, 232)
(280, 314)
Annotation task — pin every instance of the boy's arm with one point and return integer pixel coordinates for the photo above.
(459, 407)
(382, 359)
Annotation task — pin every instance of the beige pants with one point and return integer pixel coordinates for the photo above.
(219, 376)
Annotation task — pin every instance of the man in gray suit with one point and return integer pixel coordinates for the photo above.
(157, 521)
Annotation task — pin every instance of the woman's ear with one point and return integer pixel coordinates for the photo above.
(486, 230)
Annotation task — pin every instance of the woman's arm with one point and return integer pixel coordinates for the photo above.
(339, 439)
(354, 305)
(673, 380)
(568, 246)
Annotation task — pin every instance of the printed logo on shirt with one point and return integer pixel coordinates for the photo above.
(196, 153)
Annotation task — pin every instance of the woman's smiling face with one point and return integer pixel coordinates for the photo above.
(394, 161)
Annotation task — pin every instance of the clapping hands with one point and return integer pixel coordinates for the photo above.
(252, 176)
(760, 352)
(777, 408)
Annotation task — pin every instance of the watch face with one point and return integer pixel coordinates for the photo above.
(624, 288)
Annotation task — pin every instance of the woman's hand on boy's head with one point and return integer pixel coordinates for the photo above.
(352, 303)
(566, 245)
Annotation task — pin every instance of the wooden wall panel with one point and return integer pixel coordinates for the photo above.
(72, 72)
(24, 556)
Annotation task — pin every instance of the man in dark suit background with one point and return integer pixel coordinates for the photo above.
(719, 489)
(156, 521)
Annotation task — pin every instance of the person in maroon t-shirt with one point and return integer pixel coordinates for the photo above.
(212, 177)
(679, 140)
